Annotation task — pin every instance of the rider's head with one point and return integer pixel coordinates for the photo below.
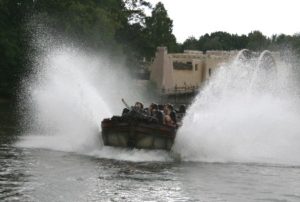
(139, 105)
(153, 107)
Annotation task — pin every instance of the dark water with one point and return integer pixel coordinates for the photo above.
(28, 174)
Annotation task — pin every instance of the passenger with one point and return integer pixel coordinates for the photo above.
(150, 109)
(161, 107)
(162, 114)
(156, 114)
(167, 118)
(138, 111)
(181, 112)
(168, 121)
(172, 113)
(165, 109)
(125, 111)
(182, 109)
(138, 106)
(135, 111)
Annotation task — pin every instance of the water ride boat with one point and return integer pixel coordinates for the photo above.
(137, 134)
(135, 130)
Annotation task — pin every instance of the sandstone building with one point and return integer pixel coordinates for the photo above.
(175, 73)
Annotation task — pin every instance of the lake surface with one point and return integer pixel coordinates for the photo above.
(36, 174)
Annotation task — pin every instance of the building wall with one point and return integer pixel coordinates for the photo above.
(182, 72)
(167, 77)
(156, 68)
(189, 77)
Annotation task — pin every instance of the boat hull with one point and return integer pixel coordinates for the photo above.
(135, 134)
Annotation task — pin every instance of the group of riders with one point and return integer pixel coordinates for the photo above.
(161, 114)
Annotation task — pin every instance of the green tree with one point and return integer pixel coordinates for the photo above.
(90, 23)
(240, 42)
(257, 41)
(13, 43)
(158, 31)
(222, 41)
(131, 32)
(190, 43)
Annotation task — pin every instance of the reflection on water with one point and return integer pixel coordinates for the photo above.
(12, 173)
(7, 122)
(44, 175)
(241, 182)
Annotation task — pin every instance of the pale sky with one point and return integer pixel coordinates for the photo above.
(197, 17)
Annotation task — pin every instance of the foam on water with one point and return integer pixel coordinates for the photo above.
(243, 116)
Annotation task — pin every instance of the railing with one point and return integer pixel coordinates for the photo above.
(180, 90)
(178, 95)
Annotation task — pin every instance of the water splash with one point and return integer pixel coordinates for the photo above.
(64, 104)
(68, 95)
(238, 118)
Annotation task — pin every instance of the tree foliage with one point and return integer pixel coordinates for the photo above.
(116, 26)
(255, 41)
(13, 42)
(159, 31)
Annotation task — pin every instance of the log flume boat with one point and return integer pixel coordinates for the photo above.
(137, 134)
(135, 130)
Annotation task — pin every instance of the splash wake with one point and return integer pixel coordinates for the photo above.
(236, 118)
(68, 96)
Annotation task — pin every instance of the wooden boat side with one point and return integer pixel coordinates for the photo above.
(137, 135)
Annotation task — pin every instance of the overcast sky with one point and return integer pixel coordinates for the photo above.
(197, 17)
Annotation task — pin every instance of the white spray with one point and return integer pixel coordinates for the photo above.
(237, 117)
(69, 94)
